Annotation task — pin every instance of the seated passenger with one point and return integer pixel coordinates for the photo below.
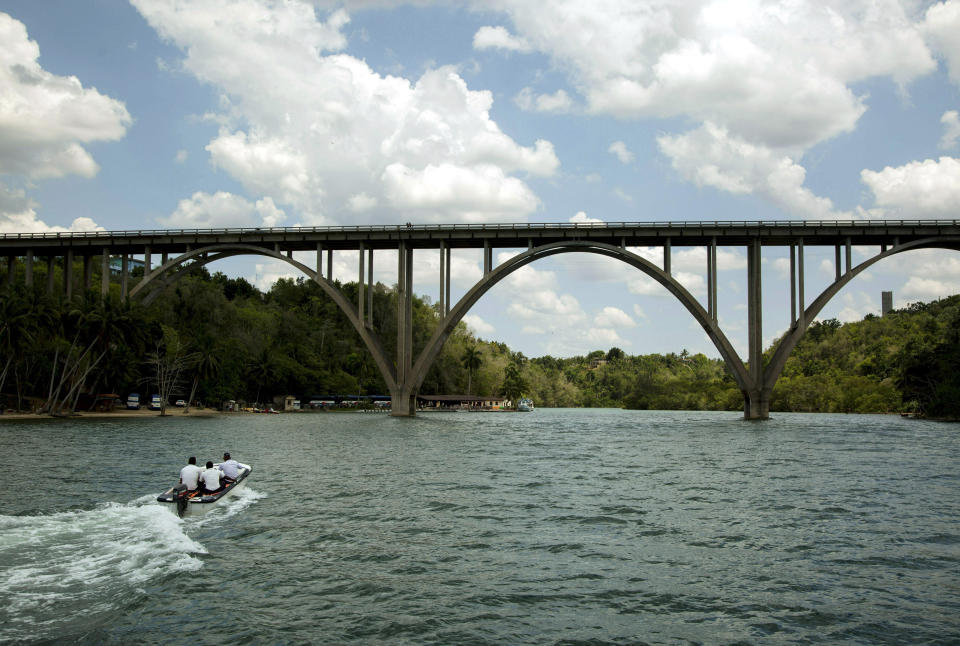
(210, 479)
(190, 474)
(230, 468)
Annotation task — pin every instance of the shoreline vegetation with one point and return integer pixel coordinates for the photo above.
(211, 338)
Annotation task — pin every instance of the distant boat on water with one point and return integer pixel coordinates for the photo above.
(525, 405)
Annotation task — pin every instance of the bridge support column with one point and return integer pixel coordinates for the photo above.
(28, 267)
(403, 399)
(756, 399)
(105, 273)
(756, 404)
(87, 272)
(443, 277)
(51, 264)
(370, 287)
(124, 274)
(68, 275)
(11, 266)
(361, 286)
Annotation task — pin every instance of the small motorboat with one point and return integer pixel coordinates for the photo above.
(183, 502)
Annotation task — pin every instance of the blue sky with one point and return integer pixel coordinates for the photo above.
(181, 113)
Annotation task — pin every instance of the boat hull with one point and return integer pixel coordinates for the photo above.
(200, 504)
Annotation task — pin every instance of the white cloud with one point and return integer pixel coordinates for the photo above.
(712, 156)
(361, 202)
(613, 317)
(181, 156)
(499, 38)
(769, 73)
(222, 209)
(941, 25)
(45, 118)
(581, 217)
(267, 273)
(643, 285)
(764, 81)
(951, 129)
(478, 326)
(638, 312)
(313, 129)
(918, 189)
(444, 192)
(558, 103)
(620, 150)
(604, 337)
(18, 215)
(857, 304)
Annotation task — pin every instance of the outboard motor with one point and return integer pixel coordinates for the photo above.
(181, 499)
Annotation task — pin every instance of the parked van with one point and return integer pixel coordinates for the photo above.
(155, 402)
(133, 401)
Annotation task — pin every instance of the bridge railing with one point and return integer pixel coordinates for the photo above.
(527, 226)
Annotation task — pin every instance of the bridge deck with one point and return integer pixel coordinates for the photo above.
(467, 236)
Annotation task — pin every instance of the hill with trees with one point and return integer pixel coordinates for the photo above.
(220, 338)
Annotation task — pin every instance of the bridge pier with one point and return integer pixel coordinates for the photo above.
(756, 404)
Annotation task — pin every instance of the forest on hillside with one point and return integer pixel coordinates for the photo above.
(224, 339)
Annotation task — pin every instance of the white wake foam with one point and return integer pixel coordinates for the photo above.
(83, 559)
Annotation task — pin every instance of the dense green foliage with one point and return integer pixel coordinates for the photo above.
(236, 342)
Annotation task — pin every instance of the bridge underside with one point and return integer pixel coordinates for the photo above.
(404, 374)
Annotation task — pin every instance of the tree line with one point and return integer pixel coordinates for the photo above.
(213, 338)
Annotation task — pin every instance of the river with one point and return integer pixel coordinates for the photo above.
(553, 527)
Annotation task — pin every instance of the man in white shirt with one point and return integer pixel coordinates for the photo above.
(190, 474)
(230, 467)
(210, 479)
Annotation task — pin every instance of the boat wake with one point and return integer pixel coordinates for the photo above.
(85, 562)
(237, 502)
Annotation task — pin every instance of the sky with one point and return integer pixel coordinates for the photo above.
(155, 114)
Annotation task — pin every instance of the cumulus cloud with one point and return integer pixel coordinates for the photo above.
(951, 129)
(941, 25)
(478, 326)
(45, 118)
(581, 218)
(613, 317)
(321, 132)
(559, 102)
(929, 188)
(765, 82)
(222, 209)
(621, 152)
(712, 156)
(499, 38)
(18, 215)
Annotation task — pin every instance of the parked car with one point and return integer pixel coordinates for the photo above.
(155, 402)
(133, 401)
(180, 403)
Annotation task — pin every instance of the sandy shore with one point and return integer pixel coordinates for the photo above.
(143, 412)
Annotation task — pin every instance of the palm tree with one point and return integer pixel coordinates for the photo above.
(207, 365)
(471, 360)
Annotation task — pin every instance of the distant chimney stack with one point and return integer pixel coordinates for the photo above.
(886, 302)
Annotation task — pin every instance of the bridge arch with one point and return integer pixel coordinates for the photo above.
(175, 268)
(502, 271)
(789, 341)
(405, 376)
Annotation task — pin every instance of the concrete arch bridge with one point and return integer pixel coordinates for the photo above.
(168, 254)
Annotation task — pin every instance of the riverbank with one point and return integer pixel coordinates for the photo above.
(143, 412)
